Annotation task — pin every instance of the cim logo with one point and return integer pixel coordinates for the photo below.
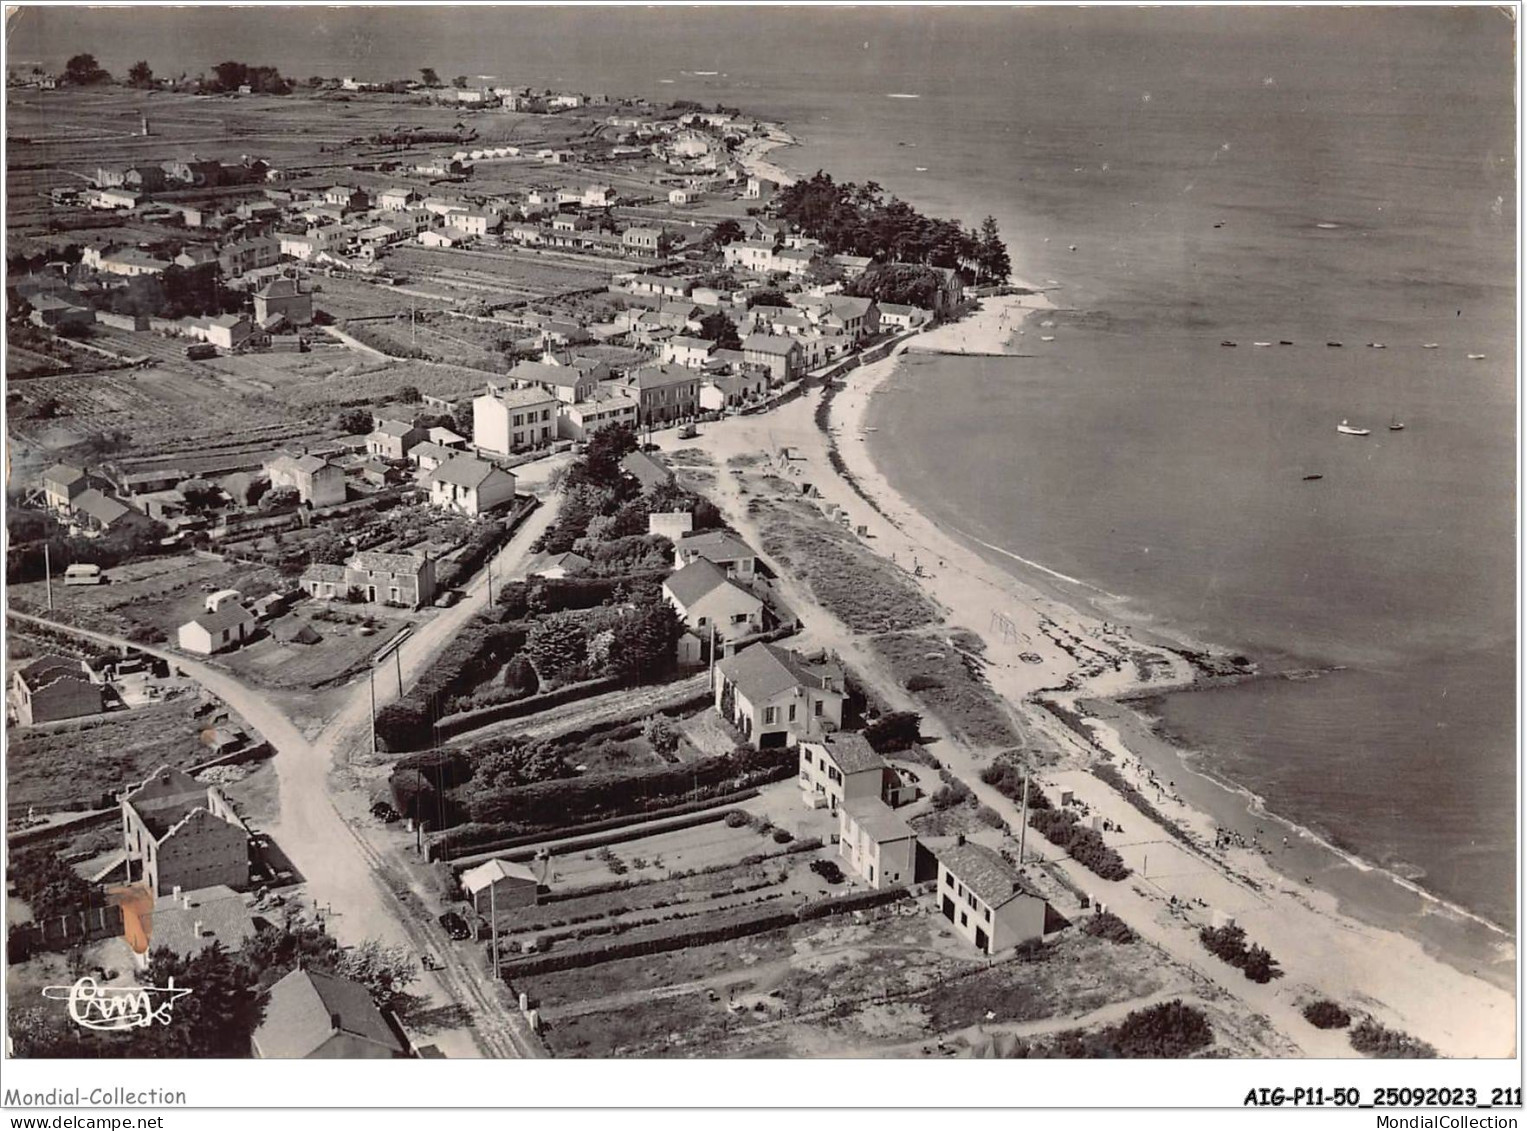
(115, 1009)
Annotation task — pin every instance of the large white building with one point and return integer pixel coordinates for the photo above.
(505, 421)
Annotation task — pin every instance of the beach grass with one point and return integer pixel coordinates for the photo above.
(947, 682)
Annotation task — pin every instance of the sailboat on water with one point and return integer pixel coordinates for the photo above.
(1347, 430)
(1396, 424)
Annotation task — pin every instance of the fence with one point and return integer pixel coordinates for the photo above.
(77, 928)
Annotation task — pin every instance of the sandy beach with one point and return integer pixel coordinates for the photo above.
(1036, 641)
(753, 156)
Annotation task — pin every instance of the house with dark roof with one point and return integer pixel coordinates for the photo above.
(187, 922)
(509, 420)
(778, 355)
(777, 697)
(53, 688)
(62, 484)
(569, 384)
(394, 439)
(285, 297)
(650, 472)
(712, 606)
(719, 547)
(311, 1015)
(983, 897)
(96, 510)
(877, 844)
(470, 486)
(208, 633)
(394, 579)
(186, 835)
(662, 392)
(317, 481)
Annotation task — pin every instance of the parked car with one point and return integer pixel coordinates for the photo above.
(448, 598)
(384, 812)
(455, 926)
(201, 351)
(84, 575)
(688, 432)
(828, 871)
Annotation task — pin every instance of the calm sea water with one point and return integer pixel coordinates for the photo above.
(1192, 157)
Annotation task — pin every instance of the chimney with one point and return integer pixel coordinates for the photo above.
(334, 1021)
(176, 891)
(959, 840)
(196, 929)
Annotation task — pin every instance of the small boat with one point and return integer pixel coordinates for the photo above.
(1347, 430)
(1264, 345)
(1228, 344)
(919, 168)
(1476, 357)
(1311, 478)
(1377, 346)
(1334, 345)
(1430, 346)
(1396, 424)
(1047, 337)
(1285, 341)
(1072, 247)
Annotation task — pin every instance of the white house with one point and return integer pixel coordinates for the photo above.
(721, 548)
(777, 697)
(690, 352)
(838, 768)
(470, 486)
(505, 421)
(711, 605)
(980, 894)
(207, 633)
(877, 844)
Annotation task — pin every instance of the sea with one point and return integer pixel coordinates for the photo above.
(1176, 179)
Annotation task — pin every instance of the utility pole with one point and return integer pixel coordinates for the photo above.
(713, 653)
(397, 656)
(1023, 819)
(490, 583)
(371, 682)
(47, 566)
(493, 914)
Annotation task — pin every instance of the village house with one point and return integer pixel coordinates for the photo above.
(642, 241)
(844, 767)
(598, 196)
(52, 688)
(681, 197)
(671, 525)
(286, 298)
(210, 633)
(719, 547)
(62, 484)
(187, 922)
(129, 262)
(303, 245)
(663, 286)
(692, 353)
(448, 236)
(470, 486)
(751, 255)
(506, 421)
(226, 331)
(314, 1016)
(897, 316)
(733, 391)
(663, 392)
(559, 565)
(55, 313)
(317, 481)
(96, 511)
(406, 579)
(396, 199)
(477, 223)
(876, 843)
(246, 255)
(650, 473)
(113, 199)
(778, 356)
(980, 894)
(394, 439)
(776, 697)
(140, 178)
(184, 834)
(569, 384)
(604, 408)
(429, 455)
(346, 197)
(712, 607)
(499, 885)
(760, 188)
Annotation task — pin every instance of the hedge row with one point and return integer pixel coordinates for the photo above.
(464, 721)
(1082, 844)
(545, 595)
(590, 796)
(717, 928)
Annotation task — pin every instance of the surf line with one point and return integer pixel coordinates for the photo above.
(1041, 568)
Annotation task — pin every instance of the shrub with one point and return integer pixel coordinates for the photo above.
(1081, 843)
(736, 819)
(782, 836)
(921, 683)
(1373, 1039)
(1007, 779)
(1229, 944)
(895, 731)
(1108, 926)
(990, 817)
(1327, 1014)
(1170, 1029)
(662, 733)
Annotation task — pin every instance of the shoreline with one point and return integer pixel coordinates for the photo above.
(988, 332)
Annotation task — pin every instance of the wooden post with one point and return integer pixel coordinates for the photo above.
(397, 655)
(1023, 820)
(371, 682)
(493, 914)
(47, 565)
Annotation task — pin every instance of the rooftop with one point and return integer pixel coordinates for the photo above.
(306, 1009)
(983, 871)
(762, 671)
(878, 819)
(852, 752)
(466, 471)
(476, 879)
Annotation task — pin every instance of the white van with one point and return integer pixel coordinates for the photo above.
(83, 575)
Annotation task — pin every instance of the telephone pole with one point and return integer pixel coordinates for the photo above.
(493, 914)
(371, 682)
(1023, 820)
(47, 566)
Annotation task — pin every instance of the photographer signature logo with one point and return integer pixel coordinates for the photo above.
(115, 1009)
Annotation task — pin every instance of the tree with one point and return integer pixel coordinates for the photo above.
(895, 731)
(720, 329)
(218, 1016)
(459, 82)
(353, 421)
(520, 676)
(428, 76)
(140, 74)
(274, 952)
(231, 74)
(557, 646)
(992, 258)
(646, 641)
(728, 231)
(83, 70)
(407, 394)
(769, 296)
(384, 970)
(661, 733)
